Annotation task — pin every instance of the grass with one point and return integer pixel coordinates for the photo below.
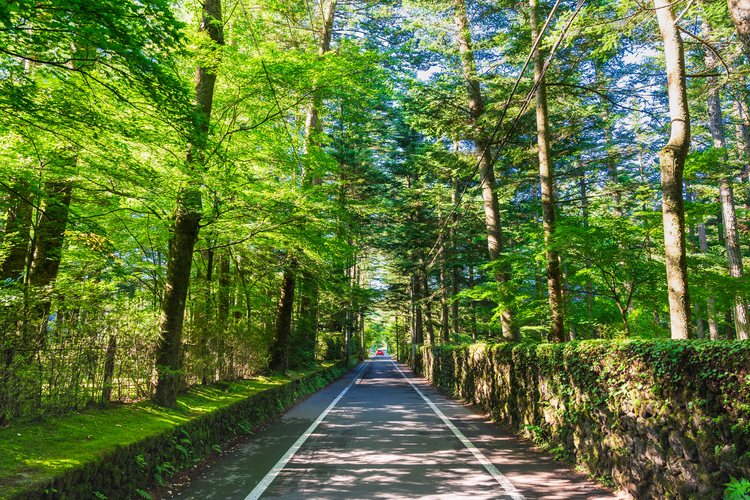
(32, 450)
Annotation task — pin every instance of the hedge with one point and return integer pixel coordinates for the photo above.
(662, 419)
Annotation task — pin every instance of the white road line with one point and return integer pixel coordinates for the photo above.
(507, 485)
(266, 481)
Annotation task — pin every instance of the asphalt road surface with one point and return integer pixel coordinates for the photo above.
(382, 433)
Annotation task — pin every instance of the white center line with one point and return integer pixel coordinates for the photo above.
(504, 482)
(266, 481)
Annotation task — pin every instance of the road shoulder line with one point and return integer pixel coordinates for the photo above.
(499, 477)
(268, 479)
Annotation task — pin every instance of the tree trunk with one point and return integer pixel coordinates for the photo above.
(223, 316)
(547, 176)
(312, 122)
(484, 157)
(731, 234)
(49, 235)
(428, 311)
(739, 10)
(280, 345)
(418, 326)
(672, 160)
(109, 369)
(454, 266)
(16, 238)
(473, 306)
(608, 143)
(186, 225)
(444, 319)
(17, 233)
(203, 313)
(713, 325)
(589, 283)
(308, 321)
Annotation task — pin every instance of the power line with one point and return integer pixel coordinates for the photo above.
(521, 112)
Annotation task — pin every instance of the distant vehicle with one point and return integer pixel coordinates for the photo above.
(379, 352)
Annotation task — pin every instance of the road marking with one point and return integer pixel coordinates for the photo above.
(266, 481)
(504, 482)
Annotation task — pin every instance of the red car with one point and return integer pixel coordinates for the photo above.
(379, 352)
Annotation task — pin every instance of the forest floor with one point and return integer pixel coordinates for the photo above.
(39, 448)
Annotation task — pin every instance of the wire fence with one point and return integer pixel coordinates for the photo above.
(83, 352)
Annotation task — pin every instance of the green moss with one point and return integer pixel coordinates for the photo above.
(35, 451)
(590, 388)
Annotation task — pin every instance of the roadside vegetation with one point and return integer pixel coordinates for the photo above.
(194, 193)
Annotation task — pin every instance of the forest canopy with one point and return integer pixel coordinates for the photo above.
(201, 191)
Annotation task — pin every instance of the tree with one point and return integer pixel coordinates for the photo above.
(547, 178)
(672, 160)
(187, 219)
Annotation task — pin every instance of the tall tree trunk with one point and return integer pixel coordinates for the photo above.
(203, 314)
(473, 306)
(454, 264)
(547, 176)
(672, 160)
(17, 233)
(186, 225)
(223, 316)
(280, 345)
(444, 318)
(731, 233)
(608, 143)
(713, 325)
(589, 283)
(312, 122)
(109, 369)
(739, 10)
(428, 310)
(16, 238)
(484, 156)
(418, 326)
(48, 239)
(49, 235)
(308, 321)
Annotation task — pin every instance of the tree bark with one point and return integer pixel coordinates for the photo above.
(313, 126)
(731, 233)
(17, 233)
(739, 10)
(280, 345)
(608, 143)
(589, 283)
(444, 319)
(223, 316)
(418, 326)
(484, 157)
(454, 265)
(109, 369)
(672, 160)
(186, 225)
(308, 320)
(547, 177)
(50, 233)
(430, 329)
(473, 306)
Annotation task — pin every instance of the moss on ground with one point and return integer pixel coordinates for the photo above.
(42, 448)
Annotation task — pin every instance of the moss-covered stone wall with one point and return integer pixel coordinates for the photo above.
(662, 419)
(129, 468)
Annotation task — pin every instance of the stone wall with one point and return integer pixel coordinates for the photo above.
(135, 466)
(663, 419)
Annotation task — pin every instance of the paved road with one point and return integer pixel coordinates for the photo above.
(383, 433)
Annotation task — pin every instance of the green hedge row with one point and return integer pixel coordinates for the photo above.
(663, 419)
(139, 465)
